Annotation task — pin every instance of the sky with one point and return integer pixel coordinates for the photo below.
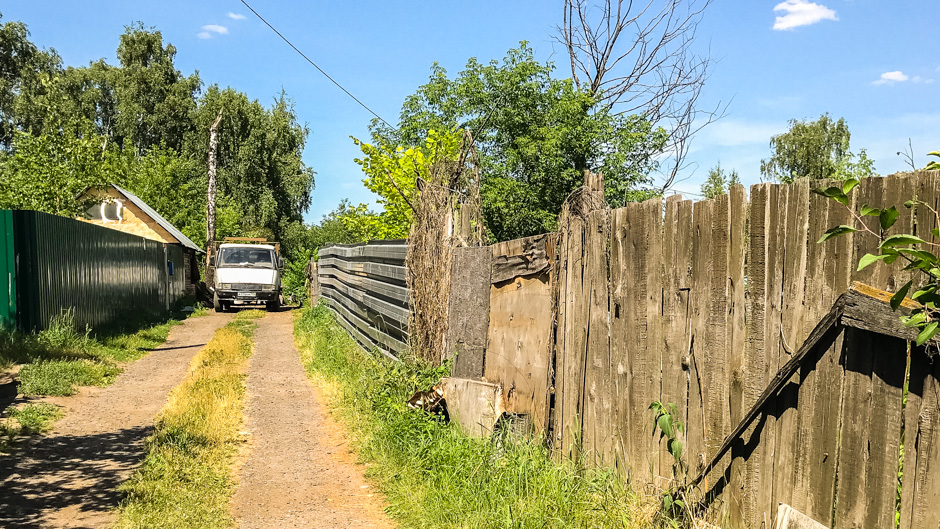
(872, 62)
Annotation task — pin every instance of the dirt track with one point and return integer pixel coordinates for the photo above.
(298, 470)
(69, 478)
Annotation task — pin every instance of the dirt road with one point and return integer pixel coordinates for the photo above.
(298, 470)
(69, 478)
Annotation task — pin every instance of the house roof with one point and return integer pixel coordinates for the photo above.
(165, 224)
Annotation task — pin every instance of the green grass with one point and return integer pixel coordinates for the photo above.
(60, 358)
(186, 478)
(435, 477)
(28, 419)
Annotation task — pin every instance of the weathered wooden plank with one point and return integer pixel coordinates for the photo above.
(871, 411)
(653, 228)
(557, 374)
(920, 495)
(792, 309)
(575, 338)
(468, 311)
(518, 345)
(380, 271)
(701, 301)
(820, 392)
(392, 293)
(643, 365)
(677, 249)
(597, 401)
(869, 192)
(755, 381)
(519, 258)
(737, 341)
(717, 376)
(621, 322)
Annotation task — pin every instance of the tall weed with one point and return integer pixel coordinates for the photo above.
(433, 475)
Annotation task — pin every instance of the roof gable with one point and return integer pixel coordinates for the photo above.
(162, 222)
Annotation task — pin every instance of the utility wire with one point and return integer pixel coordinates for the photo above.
(291, 44)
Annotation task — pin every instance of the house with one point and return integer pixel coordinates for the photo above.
(121, 210)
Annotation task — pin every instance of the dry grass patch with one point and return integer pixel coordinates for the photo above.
(186, 479)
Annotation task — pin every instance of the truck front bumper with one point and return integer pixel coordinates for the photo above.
(255, 296)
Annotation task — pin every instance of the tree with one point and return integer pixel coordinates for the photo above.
(719, 182)
(638, 58)
(25, 78)
(810, 149)
(392, 173)
(536, 136)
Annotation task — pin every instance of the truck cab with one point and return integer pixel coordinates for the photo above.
(246, 273)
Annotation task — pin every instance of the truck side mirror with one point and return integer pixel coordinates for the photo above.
(212, 261)
(280, 262)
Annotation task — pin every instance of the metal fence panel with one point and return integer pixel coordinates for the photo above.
(106, 276)
(7, 272)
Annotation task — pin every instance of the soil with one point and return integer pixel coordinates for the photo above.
(298, 469)
(69, 478)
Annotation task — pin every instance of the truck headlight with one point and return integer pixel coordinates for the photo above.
(267, 287)
(226, 286)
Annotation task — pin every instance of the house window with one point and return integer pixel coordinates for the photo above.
(109, 210)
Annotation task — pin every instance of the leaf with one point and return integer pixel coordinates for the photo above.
(910, 203)
(849, 185)
(900, 240)
(665, 424)
(929, 330)
(924, 291)
(868, 210)
(935, 232)
(914, 320)
(869, 259)
(834, 193)
(675, 448)
(898, 296)
(835, 232)
(888, 217)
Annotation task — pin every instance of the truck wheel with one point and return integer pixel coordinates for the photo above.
(216, 304)
(273, 305)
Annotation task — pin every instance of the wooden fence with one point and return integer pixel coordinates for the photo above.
(699, 304)
(365, 286)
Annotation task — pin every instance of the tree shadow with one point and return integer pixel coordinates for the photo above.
(64, 471)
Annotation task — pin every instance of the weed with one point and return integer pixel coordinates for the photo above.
(186, 478)
(433, 475)
(29, 419)
(59, 377)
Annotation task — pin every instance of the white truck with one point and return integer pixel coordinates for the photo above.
(247, 271)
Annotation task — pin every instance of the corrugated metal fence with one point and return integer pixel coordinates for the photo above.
(365, 286)
(104, 275)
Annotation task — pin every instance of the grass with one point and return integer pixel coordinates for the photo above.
(60, 358)
(186, 478)
(29, 419)
(435, 477)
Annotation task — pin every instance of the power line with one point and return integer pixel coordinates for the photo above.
(291, 44)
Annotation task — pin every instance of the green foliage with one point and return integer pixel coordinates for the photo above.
(914, 252)
(392, 173)
(675, 501)
(719, 182)
(536, 136)
(294, 282)
(933, 165)
(435, 477)
(816, 150)
(25, 420)
(186, 479)
(143, 124)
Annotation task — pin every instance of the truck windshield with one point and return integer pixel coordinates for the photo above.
(258, 258)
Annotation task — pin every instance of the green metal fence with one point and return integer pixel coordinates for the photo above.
(105, 276)
(7, 271)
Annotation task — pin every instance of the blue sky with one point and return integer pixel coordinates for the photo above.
(874, 63)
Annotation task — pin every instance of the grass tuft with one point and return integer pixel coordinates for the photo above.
(59, 358)
(28, 419)
(186, 479)
(435, 477)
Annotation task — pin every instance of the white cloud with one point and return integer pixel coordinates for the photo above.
(215, 28)
(801, 13)
(236, 16)
(893, 77)
(209, 29)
